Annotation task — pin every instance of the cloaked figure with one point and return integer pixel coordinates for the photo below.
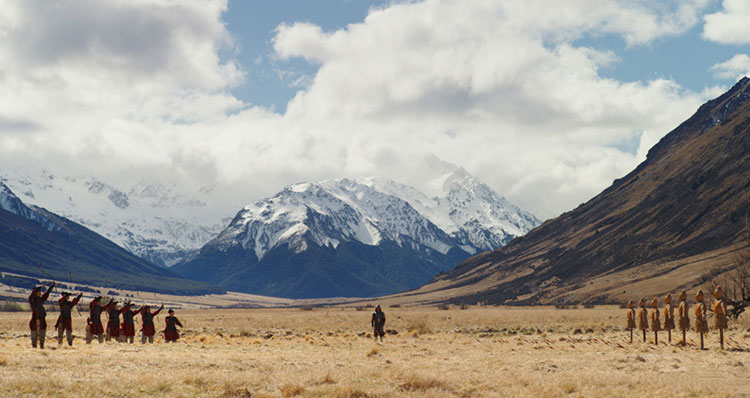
(95, 318)
(720, 314)
(64, 322)
(113, 324)
(668, 317)
(701, 324)
(128, 322)
(631, 319)
(170, 331)
(38, 322)
(655, 320)
(642, 317)
(684, 313)
(378, 322)
(147, 326)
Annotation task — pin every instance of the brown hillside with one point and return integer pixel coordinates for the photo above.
(657, 229)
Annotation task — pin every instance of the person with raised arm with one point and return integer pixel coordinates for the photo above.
(128, 322)
(147, 328)
(38, 322)
(94, 322)
(64, 322)
(113, 322)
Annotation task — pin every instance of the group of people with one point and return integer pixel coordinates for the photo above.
(115, 329)
(683, 313)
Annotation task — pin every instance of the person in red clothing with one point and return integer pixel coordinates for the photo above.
(38, 322)
(147, 328)
(128, 324)
(65, 320)
(170, 331)
(113, 324)
(95, 316)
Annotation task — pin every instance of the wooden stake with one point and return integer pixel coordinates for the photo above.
(721, 338)
(701, 340)
(631, 336)
(656, 337)
(644, 335)
(669, 336)
(684, 339)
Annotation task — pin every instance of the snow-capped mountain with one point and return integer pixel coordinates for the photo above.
(152, 221)
(470, 216)
(11, 203)
(318, 218)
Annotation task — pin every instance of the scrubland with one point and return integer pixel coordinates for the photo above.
(477, 352)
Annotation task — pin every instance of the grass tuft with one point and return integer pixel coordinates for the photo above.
(351, 392)
(291, 390)
(422, 384)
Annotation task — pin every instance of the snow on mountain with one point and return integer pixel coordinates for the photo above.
(467, 215)
(152, 221)
(11, 203)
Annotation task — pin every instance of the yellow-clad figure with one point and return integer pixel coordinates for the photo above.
(668, 317)
(642, 317)
(684, 313)
(720, 314)
(655, 320)
(701, 324)
(631, 319)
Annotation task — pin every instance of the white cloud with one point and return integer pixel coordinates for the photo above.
(734, 68)
(499, 87)
(729, 26)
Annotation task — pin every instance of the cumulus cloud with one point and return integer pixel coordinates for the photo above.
(137, 89)
(729, 26)
(734, 68)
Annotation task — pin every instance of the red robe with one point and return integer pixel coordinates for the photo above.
(128, 327)
(148, 321)
(34, 311)
(113, 324)
(170, 331)
(95, 313)
(64, 320)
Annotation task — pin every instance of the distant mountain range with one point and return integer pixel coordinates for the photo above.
(661, 228)
(362, 237)
(153, 221)
(30, 236)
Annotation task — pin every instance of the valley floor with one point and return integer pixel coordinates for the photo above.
(478, 352)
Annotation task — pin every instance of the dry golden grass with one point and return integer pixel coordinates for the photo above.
(479, 352)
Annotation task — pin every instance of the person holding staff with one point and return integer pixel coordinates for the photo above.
(64, 322)
(38, 322)
(147, 328)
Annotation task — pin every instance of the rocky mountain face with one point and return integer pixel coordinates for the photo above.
(654, 230)
(153, 221)
(30, 236)
(359, 237)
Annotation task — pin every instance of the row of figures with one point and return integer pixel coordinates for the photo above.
(701, 317)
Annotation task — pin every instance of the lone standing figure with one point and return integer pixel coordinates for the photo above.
(378, 322)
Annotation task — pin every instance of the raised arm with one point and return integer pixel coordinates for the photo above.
(158, 311)
(76, 300)
(45, 296)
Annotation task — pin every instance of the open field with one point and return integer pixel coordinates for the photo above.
(478, 352)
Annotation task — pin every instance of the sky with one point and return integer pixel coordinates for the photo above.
(546, 102)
